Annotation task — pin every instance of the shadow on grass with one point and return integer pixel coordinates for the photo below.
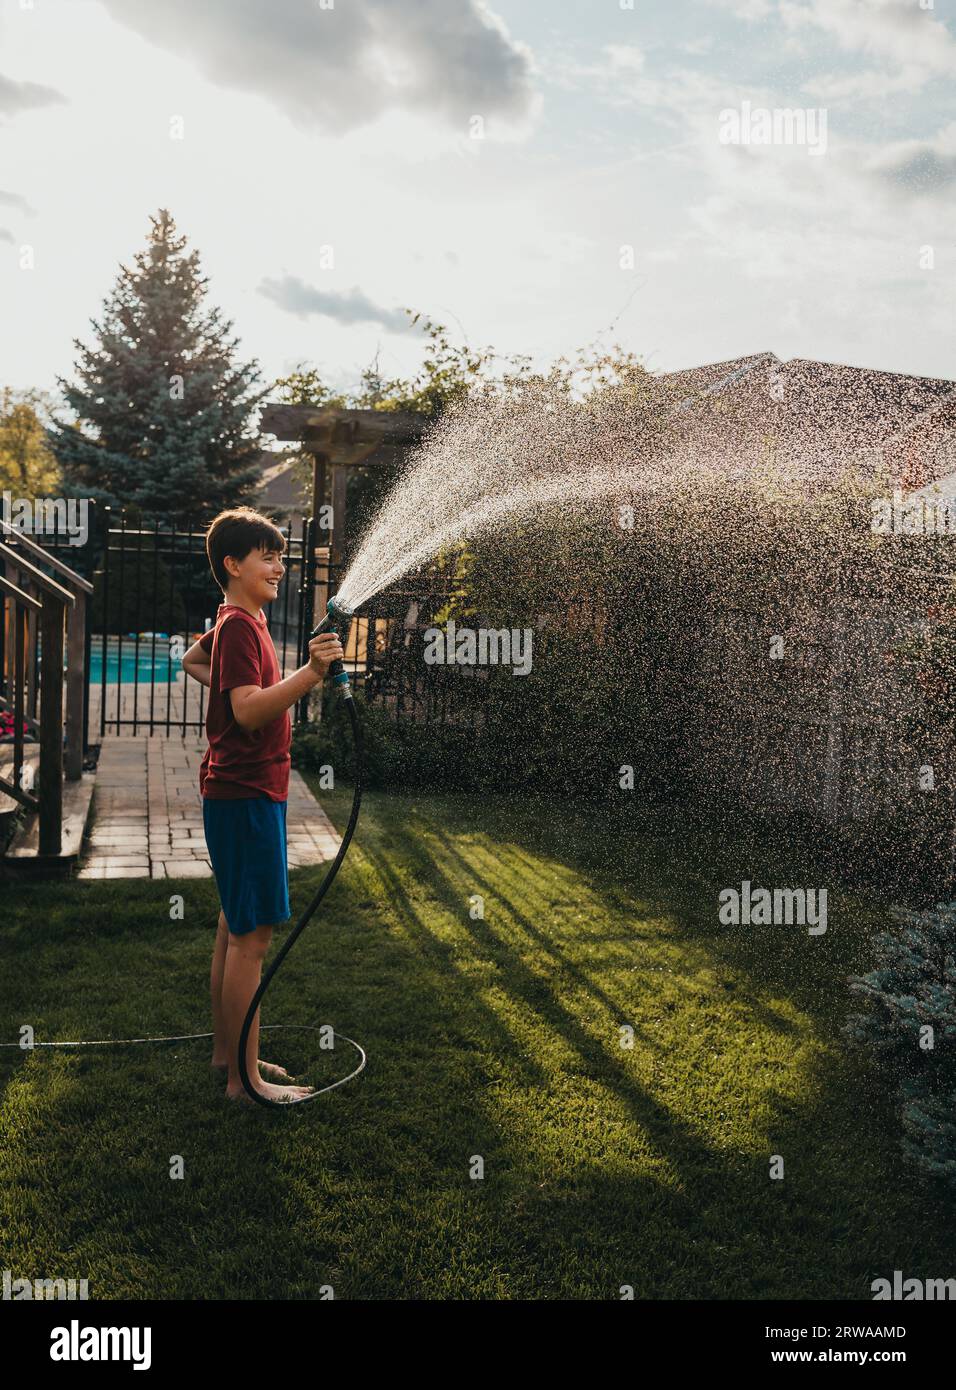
(496, 1037)
(846, 1182)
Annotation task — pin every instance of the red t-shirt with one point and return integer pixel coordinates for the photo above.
(240, 762)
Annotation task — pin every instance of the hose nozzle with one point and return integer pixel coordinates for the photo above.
(338, 619)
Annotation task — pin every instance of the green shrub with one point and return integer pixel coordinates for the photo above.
(912, 989)
(542, 731)
(396, 754)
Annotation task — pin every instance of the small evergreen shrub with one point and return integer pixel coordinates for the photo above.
(909, 1025)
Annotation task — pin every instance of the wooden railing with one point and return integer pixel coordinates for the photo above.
(19, 605)
(32, 689)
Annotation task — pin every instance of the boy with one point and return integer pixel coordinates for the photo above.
(244, 779)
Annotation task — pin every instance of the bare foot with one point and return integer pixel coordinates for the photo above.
(273, 1069)
(279, 1094)
(267, 1068)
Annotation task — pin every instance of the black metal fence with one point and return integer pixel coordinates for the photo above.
(158, 575)
(154, 595)
(396, 677)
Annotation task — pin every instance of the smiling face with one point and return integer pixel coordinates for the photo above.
(255, 578)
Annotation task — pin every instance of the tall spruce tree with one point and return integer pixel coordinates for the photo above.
(162, 405)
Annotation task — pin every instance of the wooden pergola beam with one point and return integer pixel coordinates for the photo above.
(328, 428)
(339, 439)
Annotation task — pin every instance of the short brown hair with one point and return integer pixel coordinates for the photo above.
(235, 533)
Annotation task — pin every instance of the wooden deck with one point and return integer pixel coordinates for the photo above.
(22, 857)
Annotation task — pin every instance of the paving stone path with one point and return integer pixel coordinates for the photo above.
(146, 820)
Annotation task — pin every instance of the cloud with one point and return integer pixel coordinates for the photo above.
(913, 45)
(897, 31)
(858, 175)
(339, 68)
(843, 89)
(26, 96)
(923, 167)
(625, 57)
(615, 63)
(745, 9)
(840, 224)
(296, 297)
(684, 98)
(14, 200)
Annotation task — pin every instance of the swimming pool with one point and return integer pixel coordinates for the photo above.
(123, 668)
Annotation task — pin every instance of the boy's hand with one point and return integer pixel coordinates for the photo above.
(323, 650)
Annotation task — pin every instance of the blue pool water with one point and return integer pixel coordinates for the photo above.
(123, 668)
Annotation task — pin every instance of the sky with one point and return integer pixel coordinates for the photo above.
(538, 175)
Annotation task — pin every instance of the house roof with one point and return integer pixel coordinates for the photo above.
(693, 381)
(280, 490)
(821, 416)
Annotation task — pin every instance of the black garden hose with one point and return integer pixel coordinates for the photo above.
(300, 926)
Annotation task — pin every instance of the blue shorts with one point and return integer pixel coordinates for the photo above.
(246, 839)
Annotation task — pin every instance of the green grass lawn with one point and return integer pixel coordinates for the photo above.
(497, 1037)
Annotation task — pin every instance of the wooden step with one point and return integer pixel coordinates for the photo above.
(31, 755)
(23, 858)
